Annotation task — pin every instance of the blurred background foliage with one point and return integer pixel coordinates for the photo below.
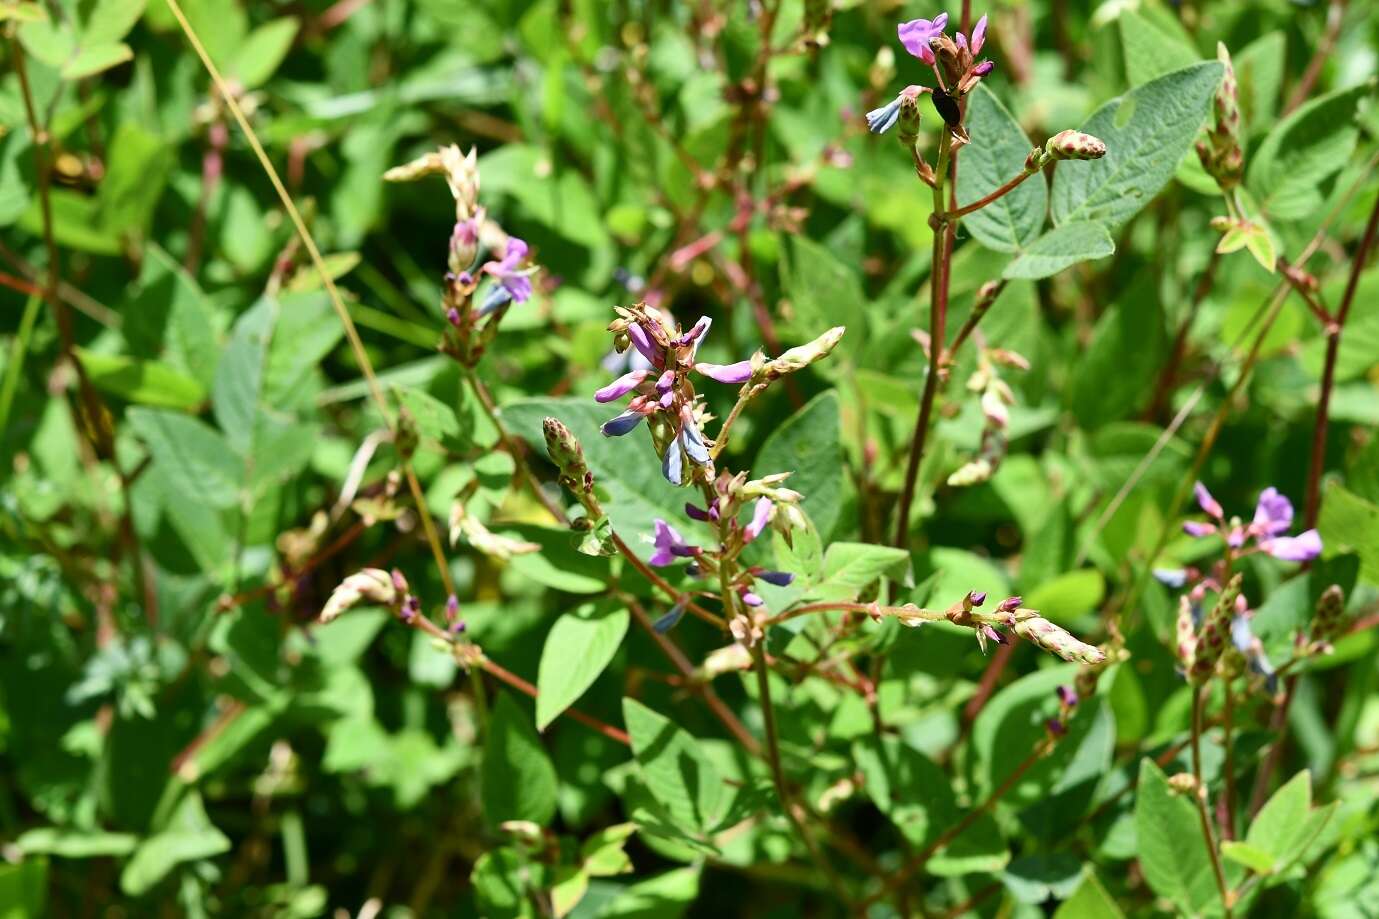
(177, 738)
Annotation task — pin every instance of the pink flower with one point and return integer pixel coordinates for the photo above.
(916, 35)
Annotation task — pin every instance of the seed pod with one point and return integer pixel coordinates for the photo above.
(372, 585)
(1039, 631)
(1074, 145)
(948, 108)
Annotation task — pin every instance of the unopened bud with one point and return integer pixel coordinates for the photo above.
(1330, 613)
(804, 355)
(1183, 783)
(1074, 145)
(908, 122)
(1009, 604)
(725, 660)
(1044, 634)
(1216, 628)
(565, 452)
(371, 585)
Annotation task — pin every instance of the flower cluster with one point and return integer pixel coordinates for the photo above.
(996, 398)
(662, 389)
(1273, 517)
(956, 70)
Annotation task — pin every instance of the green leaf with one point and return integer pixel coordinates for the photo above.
(518, 781)
(808, 445)
(434, 419)
(1059, 248)
(1072, 594)
(1250, 856)
(263, 51)
(1259, 71)
(197, 460)
(92, 59)
(915, 794)
(1349, 523)
(144, 382)
(578, 648)
(602, 854)
(189, 837)
(674, 768)
(1089, 901)
(851, 567)
(1173, 854)
(1112, 375)
(997, 155)
(67, 842)
(24, 889)
(822, 288)
(1303, 151)
(1285, 827)
(111, 20)
(1153, 47)
(136, 174)
(1147, 131)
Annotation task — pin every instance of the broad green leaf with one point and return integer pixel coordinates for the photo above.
(1153, 47)
(434, 419)
(1349, 523)
(196, 459)
(1259, 71)
(144, 382)
(1303, 151)
(1250, 856)
(1072, 594)
(674, 768)
(136, 173)
(602, 853)
(1059, 248)
(518, 781)
(92, 59)
(505, 881)
(823, 288)
(76, 223)
(665, 896)
(1043, 876)
(560, 564)
(262, 52)
(1173, 854)
(189, 837)
(110, 20)
(578, 648)
(995, 156)
(1285, 827)
(911, 790)
(851, 567)
(24, 889)
(1112, 375)
(808, 445)
(1089, 901)
(1146, 131)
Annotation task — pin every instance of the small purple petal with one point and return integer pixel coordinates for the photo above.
(1067, 695)
(761, 515)
(673, 463)
(976, 597)
(979, 35)
(1273, 513)
(668, 542)
(916, 34)
(696, 513)
(961, 40)
(880, 120)
(1236, 537)
(739, 372)
(693, 443)
(645, 345)
(696, 333)
(1010, 604)
(1198, 529)
(1301, 548)
(1209, 505)
(667, 622)
(983, 68)
(778, 578)
(620, 425)
(621, 386)
(751, 599)
(994, 635)
(665, 381)
(516, 251)
(498, 295)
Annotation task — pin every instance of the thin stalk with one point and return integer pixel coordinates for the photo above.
(1199, 797)
(982, 202)
(1228, 795)
(510, 446)
(1333, 348)
(15, 364)
(938, 317)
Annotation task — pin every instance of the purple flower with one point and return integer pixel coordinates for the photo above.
(994, 635)
(692, 441)
(620, 425)
(669, 544)
(761, 515)
(621, 386)
(1301, 548)
(739, 372)
(673, 463)
(750, 598)
(975, 598)
(1197, 529)
(880, 120)
(1009, 604)
(984, 67)
(645, 346)
(979, 36)
(513, 285)
(916, 35)
(1273, 514)
(1209, 505)
(1067, 696)
(667, 622)
(778, 578)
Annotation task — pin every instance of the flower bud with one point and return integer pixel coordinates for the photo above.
(372, 585)
(1329, 615)
(1183, 783)
(565, 451)
(1212, 638)
(1044, 634)
(804, 355)
(1074, 145)
(908, 120)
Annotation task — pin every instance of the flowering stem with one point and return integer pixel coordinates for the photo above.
(1199, 796)
(1333, 347)
(938, 316)
(980, 310)
(665, 586)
